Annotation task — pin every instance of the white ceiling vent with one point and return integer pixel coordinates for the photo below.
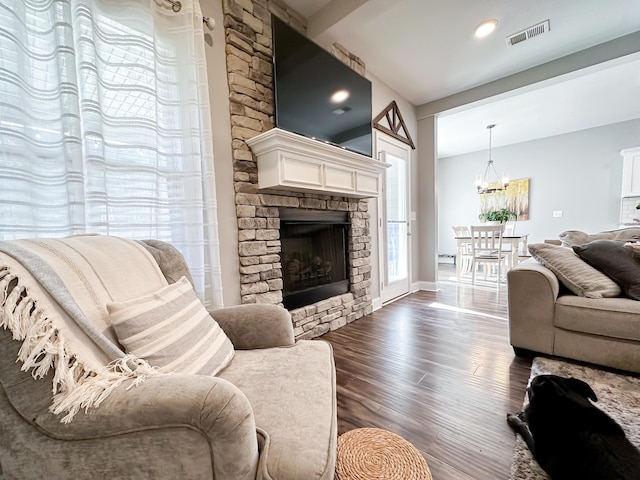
(528, 34)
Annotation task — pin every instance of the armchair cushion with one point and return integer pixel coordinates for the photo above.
(299, 421)
(171, 329)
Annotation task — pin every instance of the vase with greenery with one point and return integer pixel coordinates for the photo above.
(499, 216)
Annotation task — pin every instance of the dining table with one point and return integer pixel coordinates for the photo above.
(516, 241)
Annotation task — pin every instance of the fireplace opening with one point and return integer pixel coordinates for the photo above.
(314, 255)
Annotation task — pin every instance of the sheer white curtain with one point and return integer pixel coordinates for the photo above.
(105, 126)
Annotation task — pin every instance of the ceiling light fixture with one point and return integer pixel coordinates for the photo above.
(482, 183)
(486, 27)
(340, 96)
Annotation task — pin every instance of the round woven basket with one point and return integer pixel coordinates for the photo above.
(376, 454)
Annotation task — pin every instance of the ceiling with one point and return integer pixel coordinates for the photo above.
(426, 51)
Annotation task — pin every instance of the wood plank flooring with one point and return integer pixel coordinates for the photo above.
(437, 369)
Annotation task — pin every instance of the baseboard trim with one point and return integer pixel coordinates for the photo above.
(376, 304)
(426, 286)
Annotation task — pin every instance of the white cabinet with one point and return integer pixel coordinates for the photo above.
(630, 172)
(291, 162)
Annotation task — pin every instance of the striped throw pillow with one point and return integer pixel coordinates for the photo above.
(172, 330)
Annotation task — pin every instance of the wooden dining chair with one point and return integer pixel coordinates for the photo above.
(463, 252)
(509, 229)
(486, 250)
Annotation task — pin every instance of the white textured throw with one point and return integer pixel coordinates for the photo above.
(53, 297)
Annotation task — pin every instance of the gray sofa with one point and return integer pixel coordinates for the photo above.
(271, 414)
(546, 317)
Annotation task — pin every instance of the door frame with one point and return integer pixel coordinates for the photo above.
(384, 142)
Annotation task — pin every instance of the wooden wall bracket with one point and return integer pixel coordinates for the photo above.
(395, 124)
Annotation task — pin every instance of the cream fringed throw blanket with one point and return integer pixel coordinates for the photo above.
(53, 297)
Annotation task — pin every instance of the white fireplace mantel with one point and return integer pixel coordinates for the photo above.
(288, 161)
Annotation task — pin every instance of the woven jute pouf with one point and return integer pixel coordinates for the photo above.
(376, 454)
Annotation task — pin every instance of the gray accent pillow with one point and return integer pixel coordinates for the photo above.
(172, 330)
(616, 260)
(574, 273)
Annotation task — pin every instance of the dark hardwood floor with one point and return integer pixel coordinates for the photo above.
(437, 369)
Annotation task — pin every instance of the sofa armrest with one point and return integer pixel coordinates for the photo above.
(256, 325)
(533, 290)
(211, 406)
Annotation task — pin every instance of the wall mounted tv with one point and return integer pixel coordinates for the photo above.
(306, 79)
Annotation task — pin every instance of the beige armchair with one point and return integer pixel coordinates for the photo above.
(270, 414)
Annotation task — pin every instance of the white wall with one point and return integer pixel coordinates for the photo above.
(579, 173)
(427, 177)
(221, 124)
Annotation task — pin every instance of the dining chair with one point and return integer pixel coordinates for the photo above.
(486, 249)
(508, 247)
(463, 252)
(509, 229)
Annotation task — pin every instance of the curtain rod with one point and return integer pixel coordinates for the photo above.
(176, 6)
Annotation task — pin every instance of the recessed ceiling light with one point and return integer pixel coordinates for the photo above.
(486, 27)
(339, 96)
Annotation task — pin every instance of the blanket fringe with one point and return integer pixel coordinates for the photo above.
(75, 386)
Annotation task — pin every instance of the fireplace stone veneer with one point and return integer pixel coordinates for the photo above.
(250, 78)
(261, 269)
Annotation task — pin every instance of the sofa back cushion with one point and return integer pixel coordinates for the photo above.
(576, 237)
(574, 273)
(616, 260)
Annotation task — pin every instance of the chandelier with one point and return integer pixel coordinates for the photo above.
(483, 184)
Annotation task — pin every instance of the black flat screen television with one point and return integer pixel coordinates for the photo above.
(307, 80)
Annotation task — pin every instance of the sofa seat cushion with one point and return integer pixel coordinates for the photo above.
(292, 393)
(608, 317)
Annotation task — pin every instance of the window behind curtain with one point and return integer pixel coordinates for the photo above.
(104, 126)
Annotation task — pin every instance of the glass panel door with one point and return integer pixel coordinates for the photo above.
(396, 220)
(396, 223)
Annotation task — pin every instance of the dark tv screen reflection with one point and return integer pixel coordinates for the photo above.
(306, 78)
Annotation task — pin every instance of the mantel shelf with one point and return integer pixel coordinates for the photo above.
(288, 161)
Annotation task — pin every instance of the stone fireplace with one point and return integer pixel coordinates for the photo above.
(261, 259)
(262, 211)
